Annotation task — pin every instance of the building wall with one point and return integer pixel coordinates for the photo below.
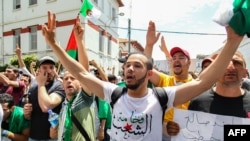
(66, 11)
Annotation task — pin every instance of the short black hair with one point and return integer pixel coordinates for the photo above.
(7, 98)
(149, 62)
(111, 77)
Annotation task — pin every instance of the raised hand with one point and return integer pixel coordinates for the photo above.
(164, 48)
(18, 50)
(48, 31)
(78, 30)
(152, 37)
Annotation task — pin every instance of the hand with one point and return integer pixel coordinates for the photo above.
(27, 109)
(78, 30)
(49, 30)
(53, 132)
(32, 64)
(41, 77)
(172, 128)
(232, 35)
(18, 50)
(164, 48)
(151, 37)
(93, 63)
(100, 135)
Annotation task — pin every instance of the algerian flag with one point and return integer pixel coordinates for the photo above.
(236, 14)
(89, 11)
(71, 48)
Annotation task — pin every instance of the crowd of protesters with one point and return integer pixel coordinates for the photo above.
(82, 94)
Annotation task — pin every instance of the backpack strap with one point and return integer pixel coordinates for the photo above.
(162, 98)
(116, 94)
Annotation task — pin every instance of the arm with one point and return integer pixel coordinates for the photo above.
(32, 68)
(151, 39)
(18, 137)
(19, 57)
(82, 53)
(46, 101)
(101, 130)
(103, 76)
(22, 64)
(74, 67)
(164, 49)
(7, 81)
(211, 74)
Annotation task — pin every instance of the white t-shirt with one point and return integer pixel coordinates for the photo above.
(137, 119)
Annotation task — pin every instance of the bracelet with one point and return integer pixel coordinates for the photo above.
(6, 133)
(101, 127)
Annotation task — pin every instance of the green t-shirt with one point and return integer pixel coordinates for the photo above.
(104, 112)
(17, 121)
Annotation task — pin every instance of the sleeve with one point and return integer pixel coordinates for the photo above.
(103, 109)
(26, 71)
(164, 80)
(58, 90)
(108, 88)
(171, 95)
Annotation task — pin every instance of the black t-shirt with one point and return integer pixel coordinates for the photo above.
(211, 102)
(40, 127)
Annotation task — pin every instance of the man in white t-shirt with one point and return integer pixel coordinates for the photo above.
(137, 115)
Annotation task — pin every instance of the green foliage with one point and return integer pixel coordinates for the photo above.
(27, 60)
(2, 68)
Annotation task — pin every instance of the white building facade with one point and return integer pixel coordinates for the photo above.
(21, 22)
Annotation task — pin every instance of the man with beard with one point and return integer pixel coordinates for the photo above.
(44, 94)
(137, 114)
(179, 59)
(226, 97)
(78, 102)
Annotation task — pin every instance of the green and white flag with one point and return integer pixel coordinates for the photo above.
(236, 14)
(89, 11)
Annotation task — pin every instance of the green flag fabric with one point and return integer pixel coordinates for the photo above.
(86, 8)
(234, 13)
(89, 11)
(71, 48)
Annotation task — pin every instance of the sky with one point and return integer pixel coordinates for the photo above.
(181, 16)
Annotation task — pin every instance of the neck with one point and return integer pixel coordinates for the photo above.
(228, 91)
(141, 91)
(182, 76)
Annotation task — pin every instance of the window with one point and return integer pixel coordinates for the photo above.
(32, 2)
(33, 38)
(101, 41)
(16, 4)
(17, 38)
(109, 45)
(114, 15)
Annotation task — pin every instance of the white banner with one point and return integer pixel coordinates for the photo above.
(200, 126)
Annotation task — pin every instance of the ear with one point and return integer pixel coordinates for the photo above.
(150, 73)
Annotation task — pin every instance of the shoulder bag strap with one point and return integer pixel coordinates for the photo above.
(80, 128)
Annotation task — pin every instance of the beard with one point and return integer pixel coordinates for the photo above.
(137, 84)
(178, 73)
